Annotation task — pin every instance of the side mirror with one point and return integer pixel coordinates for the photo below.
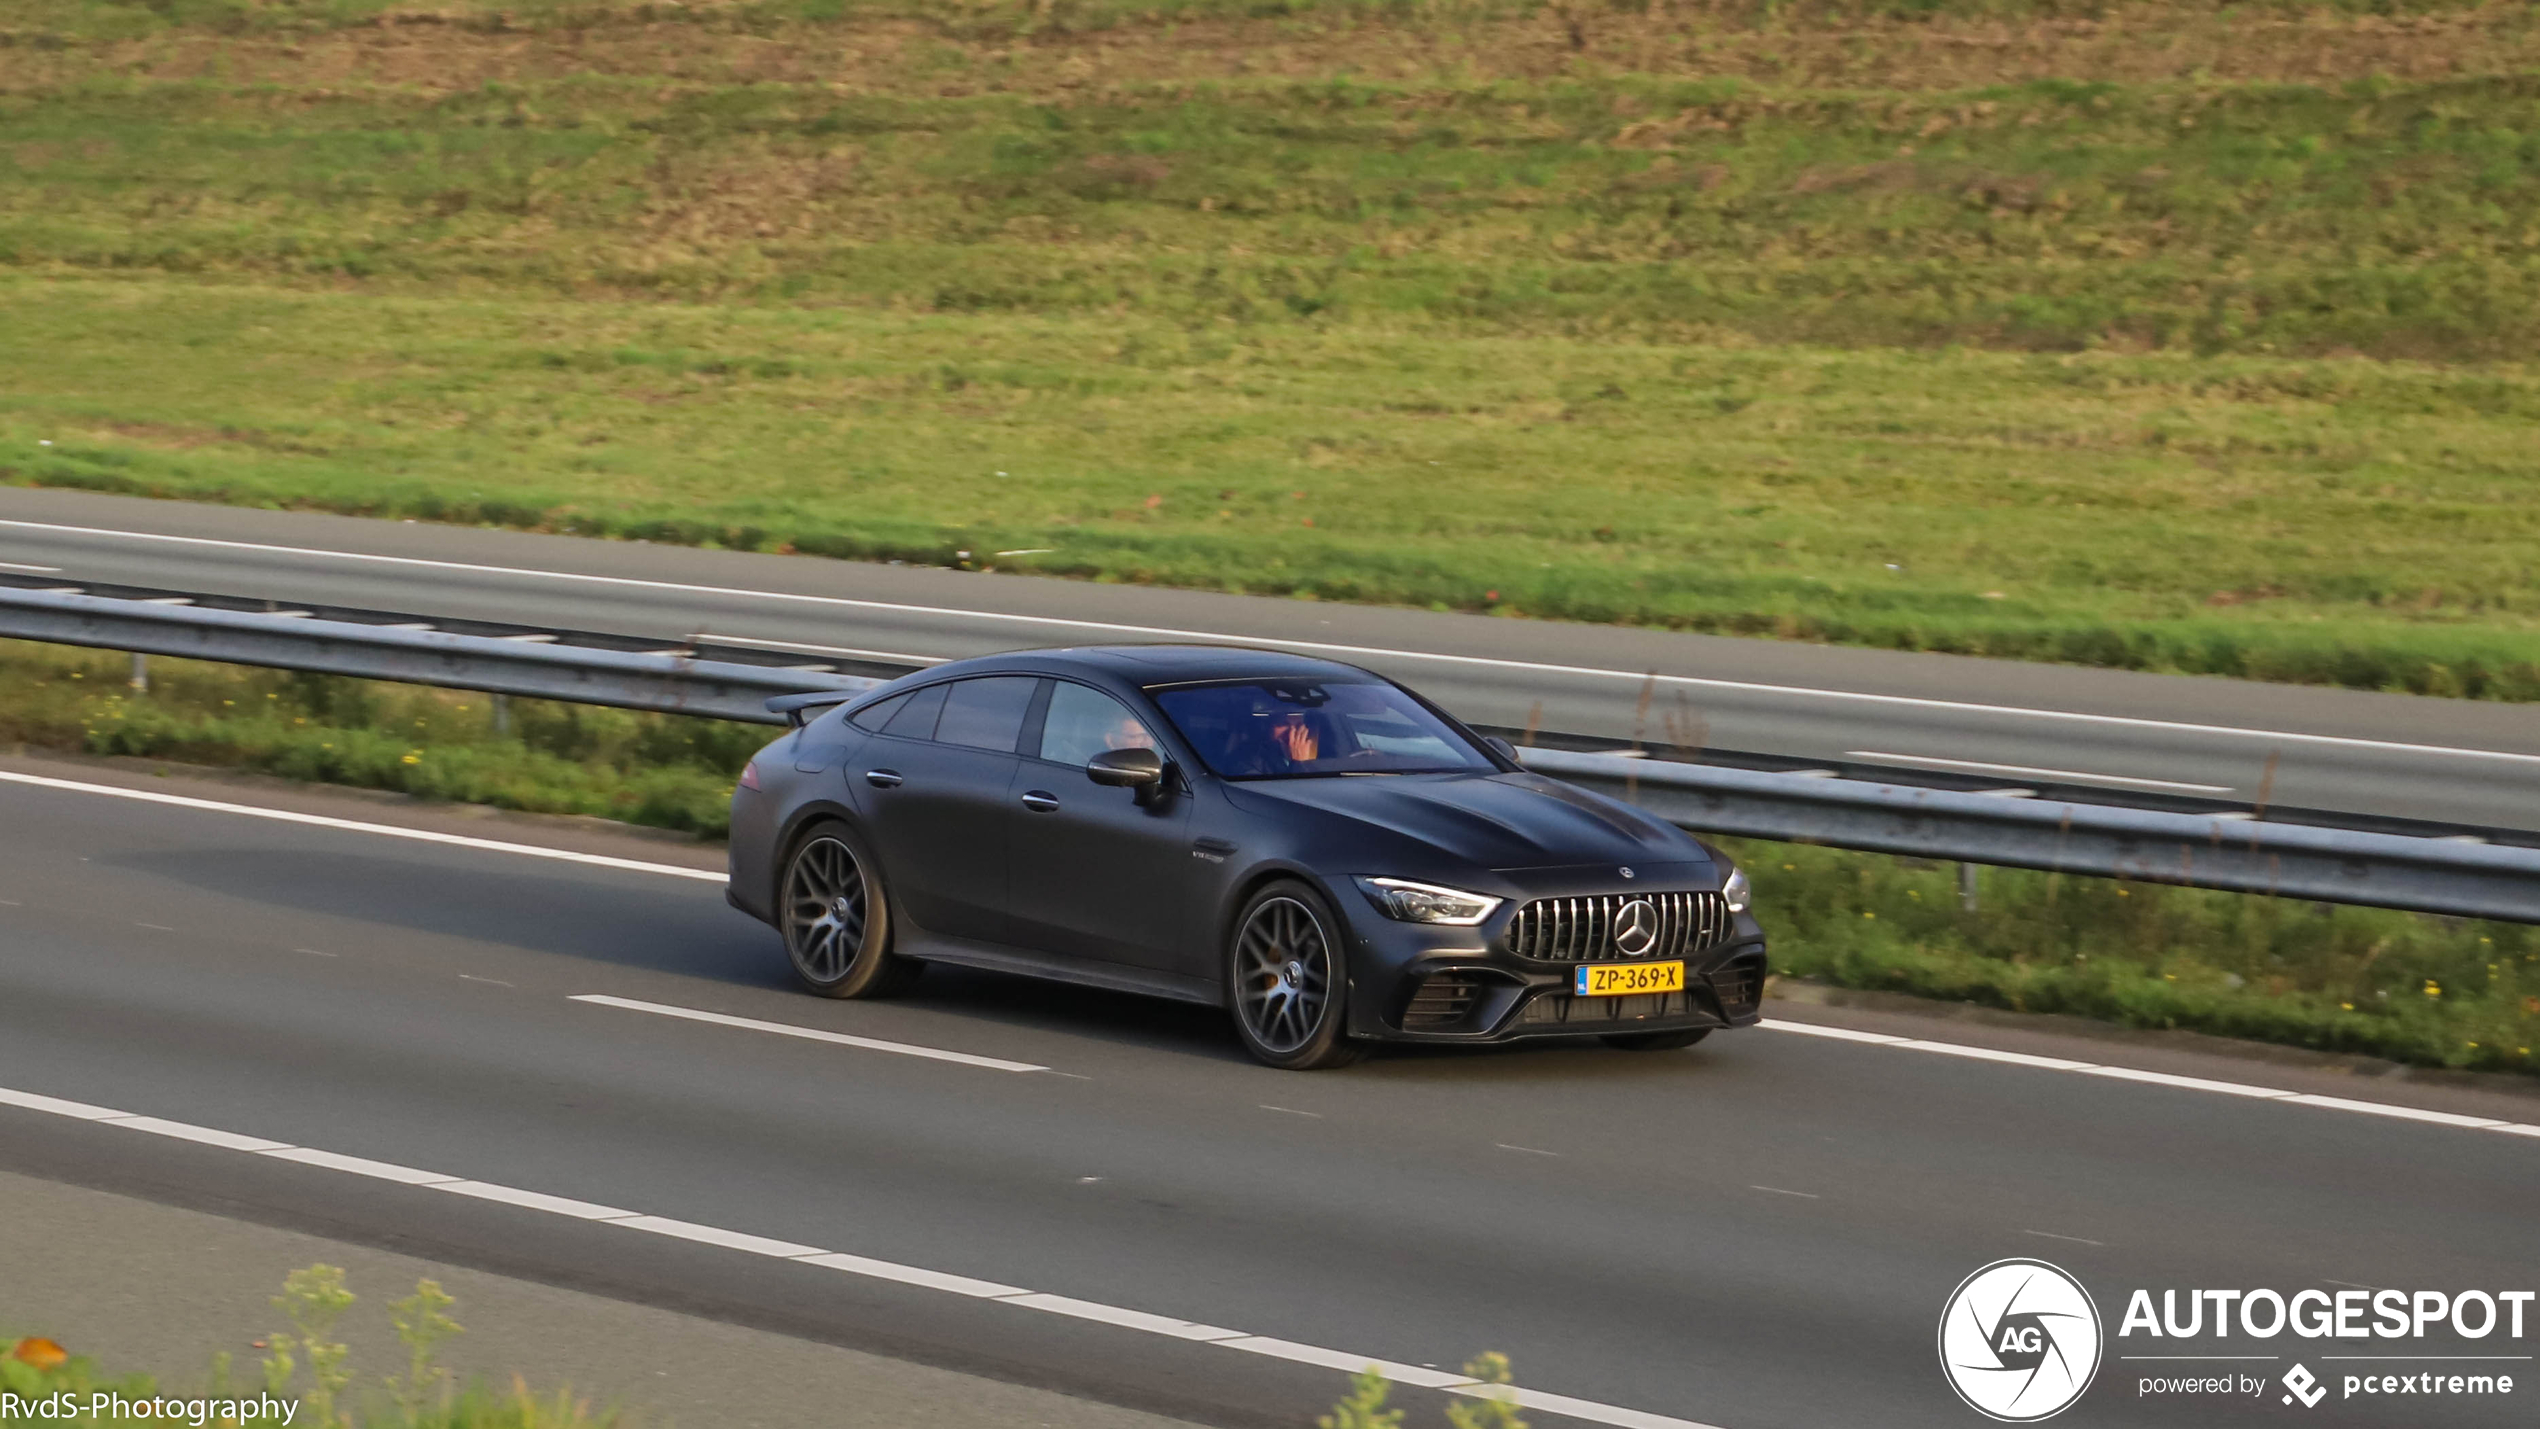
(1506, 750)
(1139, 769)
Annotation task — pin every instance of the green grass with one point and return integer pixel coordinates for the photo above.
(2432, 991)
(665, 771)
(2161, 337)
(2331, 521)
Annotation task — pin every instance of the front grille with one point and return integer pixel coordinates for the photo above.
(1590, 1013)
(1442, 1002)
(1570, 930)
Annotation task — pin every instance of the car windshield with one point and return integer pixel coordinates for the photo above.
(1285, 729)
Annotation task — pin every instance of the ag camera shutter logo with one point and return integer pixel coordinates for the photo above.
(2019, 1341)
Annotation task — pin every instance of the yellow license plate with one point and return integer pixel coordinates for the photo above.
(1617, 979)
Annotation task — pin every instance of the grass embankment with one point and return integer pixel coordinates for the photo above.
(2435, 991)
(307, 1373)
(2156, 336)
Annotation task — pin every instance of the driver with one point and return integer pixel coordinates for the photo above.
(1295, 735)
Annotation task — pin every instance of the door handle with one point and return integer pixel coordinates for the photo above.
(882, 778)
(1041, 802)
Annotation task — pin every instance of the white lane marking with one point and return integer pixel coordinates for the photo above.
(1126, 1319)
(360, 1166)
(1990, 1054)
(321, 821)
(2193, 1084)
(55, 1106)
(33, 570)
(815, 1034)
(1291, 1111)
(471, 977)
(2165, 1079)
(707, 637)
(187, 1131)
(1419, 1376)
(1778, 1191)
(1529, 1150)
(1537, 666)
(2075, 1239)
(534, 1201)
(913, 1275)
(2411, 1113)
(716, 1235)
(1929, 761)
(1138, 1320)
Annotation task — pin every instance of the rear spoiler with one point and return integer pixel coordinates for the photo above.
(793, 706)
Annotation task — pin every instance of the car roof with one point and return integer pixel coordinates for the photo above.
(1151, 665)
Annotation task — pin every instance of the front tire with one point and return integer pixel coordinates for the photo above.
(1656, 1041)
(1287, 980)
(836, 917)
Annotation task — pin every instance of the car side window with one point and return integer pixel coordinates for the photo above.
(916, 718)
(1085, 722)
(877, 715)
(987, 713)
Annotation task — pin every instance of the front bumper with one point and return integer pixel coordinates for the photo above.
(1412, 982)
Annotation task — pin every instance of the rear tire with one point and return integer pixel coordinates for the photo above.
(836, 917)
(1287, 980)
(1656, 1041)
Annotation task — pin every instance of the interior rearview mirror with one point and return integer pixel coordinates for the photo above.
(1126, 768)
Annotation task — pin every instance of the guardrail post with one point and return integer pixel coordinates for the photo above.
(141, 672)
(1967, 886)
(502, 716)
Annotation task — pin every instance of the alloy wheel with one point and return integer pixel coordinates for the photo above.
(825, 909)
(1284, 975)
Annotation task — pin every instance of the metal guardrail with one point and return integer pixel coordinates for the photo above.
(666, 682)
(2241, 855)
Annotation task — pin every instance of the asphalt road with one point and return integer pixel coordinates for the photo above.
(2011, 723)
(1758, 1233)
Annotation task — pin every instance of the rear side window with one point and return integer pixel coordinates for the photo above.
(1083, 723)
(916, 716)
(987, 713)
(877, 715)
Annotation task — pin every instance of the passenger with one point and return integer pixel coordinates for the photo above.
(1296, 736)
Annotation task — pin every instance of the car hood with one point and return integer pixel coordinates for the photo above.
(1505, 822)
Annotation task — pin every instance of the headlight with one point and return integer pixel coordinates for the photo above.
(1735, 891)
(1426, 902)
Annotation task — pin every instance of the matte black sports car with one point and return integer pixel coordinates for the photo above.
(1314, 847)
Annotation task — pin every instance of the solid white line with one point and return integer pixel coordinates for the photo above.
(815, 1034)
(1220, 637)
(715, 1235)
(360, 1166)
(535, 1201)
(2411, 1113)
(1990, 1054)
(1114, 1315)
(187, 1131)
(2164, 1079)
(1935, 762)
(1778, 1191)
(1418, 1376)
(33, 570)
(320, 821)
(55, 1106)
(912, 1275)
(705, 637)
(1125, 1319)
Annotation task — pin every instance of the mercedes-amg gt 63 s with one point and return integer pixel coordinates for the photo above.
(1313, 847)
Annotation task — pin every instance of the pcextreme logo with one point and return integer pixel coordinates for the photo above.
(2019, 1340)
